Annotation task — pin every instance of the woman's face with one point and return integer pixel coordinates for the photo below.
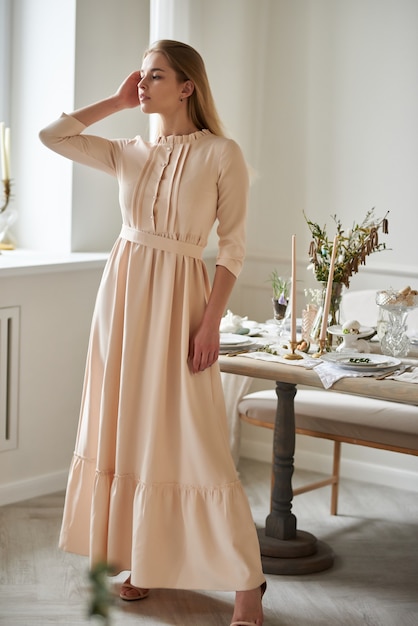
(159, 90)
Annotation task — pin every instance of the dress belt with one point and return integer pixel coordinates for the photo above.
(161, 243)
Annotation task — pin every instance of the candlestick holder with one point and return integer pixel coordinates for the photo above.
(321, 349)
(292, 356)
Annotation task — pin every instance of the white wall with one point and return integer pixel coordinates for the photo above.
(55, 314)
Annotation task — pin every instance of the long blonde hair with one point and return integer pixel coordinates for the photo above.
(189, 65)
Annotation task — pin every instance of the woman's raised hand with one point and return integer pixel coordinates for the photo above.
(126, 97)
(128, 90)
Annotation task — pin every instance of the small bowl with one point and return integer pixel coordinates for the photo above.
(391, 299)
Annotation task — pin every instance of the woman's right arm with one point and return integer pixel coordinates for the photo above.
(126, 97)
(64, 134)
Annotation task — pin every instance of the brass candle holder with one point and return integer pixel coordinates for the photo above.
(7, 185)
(292, 356)
(321, 349)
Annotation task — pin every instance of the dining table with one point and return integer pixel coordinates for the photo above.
(285, 549)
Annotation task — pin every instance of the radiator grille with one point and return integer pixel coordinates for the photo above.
(9, 371)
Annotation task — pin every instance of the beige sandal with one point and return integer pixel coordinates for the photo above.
(130, 592)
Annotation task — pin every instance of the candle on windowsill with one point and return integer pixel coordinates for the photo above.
(293, 298)
(5, 151)
(328, 292)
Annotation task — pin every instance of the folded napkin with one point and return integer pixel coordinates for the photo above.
(231, 323)
(407, 377)
(329, 373)
(306, 361)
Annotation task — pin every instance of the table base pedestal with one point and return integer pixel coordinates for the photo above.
(302, 555)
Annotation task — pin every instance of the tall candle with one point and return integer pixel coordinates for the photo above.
(328, 292)
(293, 299)
(7, 151)
(2, 151)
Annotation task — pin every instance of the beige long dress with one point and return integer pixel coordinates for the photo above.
(152, 486)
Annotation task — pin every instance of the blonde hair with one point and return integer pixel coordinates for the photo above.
(189, 65)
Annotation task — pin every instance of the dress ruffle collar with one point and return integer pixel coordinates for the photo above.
(174, 139)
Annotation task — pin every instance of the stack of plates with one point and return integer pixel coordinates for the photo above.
(362, 362)
(230, 342)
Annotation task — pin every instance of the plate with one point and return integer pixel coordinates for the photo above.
(364, 331)
(362, 362)
(232, 339)
(253, 328)
(245, 344)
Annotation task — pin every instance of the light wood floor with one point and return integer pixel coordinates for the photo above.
(374, 581)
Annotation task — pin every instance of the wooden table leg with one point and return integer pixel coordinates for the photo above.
(284, 549)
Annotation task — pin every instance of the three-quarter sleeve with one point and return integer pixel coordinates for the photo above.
(233, 185)
(64, 137)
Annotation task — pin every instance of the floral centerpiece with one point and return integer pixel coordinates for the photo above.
(354, 245)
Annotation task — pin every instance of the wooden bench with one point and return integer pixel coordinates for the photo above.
(341, 418)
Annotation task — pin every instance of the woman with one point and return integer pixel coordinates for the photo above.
(152, 486)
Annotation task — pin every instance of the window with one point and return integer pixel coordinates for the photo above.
(5, 59)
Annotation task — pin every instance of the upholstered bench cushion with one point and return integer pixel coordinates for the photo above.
(343, 415)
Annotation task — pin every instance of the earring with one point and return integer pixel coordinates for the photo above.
(181, 99)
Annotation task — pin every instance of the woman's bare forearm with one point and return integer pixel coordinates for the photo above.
(204, 345)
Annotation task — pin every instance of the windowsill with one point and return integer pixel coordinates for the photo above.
(24, 262)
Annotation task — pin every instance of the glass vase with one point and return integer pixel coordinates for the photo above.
(7, 219)
(394, 340)
(333, 315)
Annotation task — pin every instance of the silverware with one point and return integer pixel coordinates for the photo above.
(400, 370)
(237, 352)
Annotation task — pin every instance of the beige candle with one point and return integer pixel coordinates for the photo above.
(293, 299)
(328, 292)
(7, 152)
(3, 152)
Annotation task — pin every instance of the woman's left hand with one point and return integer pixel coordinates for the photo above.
(204, 347)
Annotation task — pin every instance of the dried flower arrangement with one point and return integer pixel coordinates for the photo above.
(353, 247)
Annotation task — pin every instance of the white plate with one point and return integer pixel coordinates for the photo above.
(247, 345)
(232, 339)
(357, 361)
(253, 328)
(364, 331)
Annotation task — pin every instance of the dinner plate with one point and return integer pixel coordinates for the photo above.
(364, 331)
(362, 362)
(235, 347)
(233, 339)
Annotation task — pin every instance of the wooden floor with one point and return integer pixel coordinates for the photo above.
(374, 581)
